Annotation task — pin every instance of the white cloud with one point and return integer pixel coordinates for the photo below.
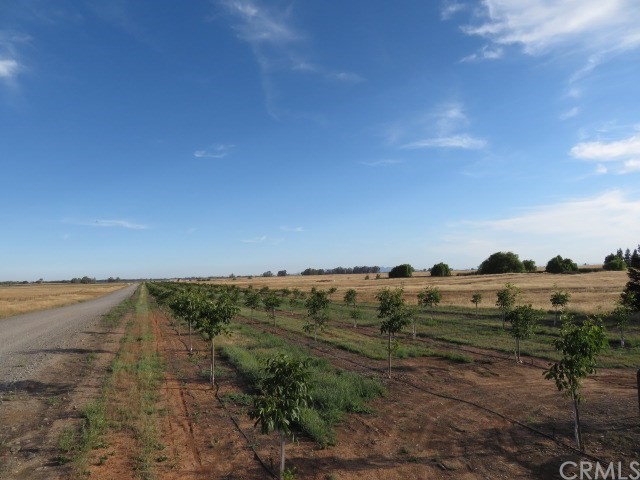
(584, 229)
(456, 141)
(629, 166)
(215, 151)
(8, 68)
(572, 112)
(541, 25)
(607, 151)
(109, 224)
(382, 163)
(291, 229)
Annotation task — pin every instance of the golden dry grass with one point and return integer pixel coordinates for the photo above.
(590, 292)
(17, 299)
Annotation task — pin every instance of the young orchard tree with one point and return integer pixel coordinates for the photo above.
(296, 296)
(579, 347)
(331, 291)
(559, 301)
(213, 319)
(350, 299)
(506, 300)
(251, 299)
(271, 301)
(621, 316)
(395, 315)
(429, 298)
(476, 298)
(523, 321)
(284, 392)
(317, 304)
(185, 307)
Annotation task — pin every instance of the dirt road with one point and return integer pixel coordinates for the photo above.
(49, 361)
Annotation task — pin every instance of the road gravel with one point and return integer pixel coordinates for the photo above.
(27, 340)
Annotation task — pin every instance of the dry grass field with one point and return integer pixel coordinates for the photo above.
(590, 292)
(17, 299)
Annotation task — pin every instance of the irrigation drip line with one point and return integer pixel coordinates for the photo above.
(447, 397)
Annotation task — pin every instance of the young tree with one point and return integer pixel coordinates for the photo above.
(523, 321)
(214, 316)
(296, 296)
(559, 300)
(529, 266)
(271, 301)
(395, 315)
(317, 304)
(284, 392)
(620, 316)
(185, 306)
(350, 299)
(507, 299)
(579, 347)
(251, 299)
(429, 298)
(440, 270)
(476, 298)
(331, 291)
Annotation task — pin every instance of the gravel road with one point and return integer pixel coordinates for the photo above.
(27, 340)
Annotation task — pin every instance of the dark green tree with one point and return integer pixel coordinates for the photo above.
(620, 317)
(350, 299)
(284, 392)
(529, 266)
(440, 270)
(579, 347)
(401, 271)
(631, 295)
(251, 299)
(561, 265)
(501, 262)
(395, 315)
(614, 263)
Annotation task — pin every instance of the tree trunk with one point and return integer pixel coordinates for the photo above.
(213, 363)
(315, 331)
(517, 350)
(282, 442)
(577, 430)
(190, 344)
(476, 309)
(273, 313)
(414, 328)
(621, 338)
(389, 353)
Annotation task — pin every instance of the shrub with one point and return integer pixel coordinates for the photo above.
(561, 265)
(501, 262)
(440, 270)
(614, 263)
(401, 271)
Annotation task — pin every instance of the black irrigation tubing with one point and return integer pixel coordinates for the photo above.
(235, 422)
(455, 399)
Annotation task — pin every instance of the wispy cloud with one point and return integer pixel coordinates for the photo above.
(8, 68)
(255, 239)
(623, 154)
(450, 8)
(292, 229)
(572, 112)
(10, 63)
(108, 224)
(382, 163)
(215, 151)
(487, 52)
(443, 127)
(456, 141)
(278, 46)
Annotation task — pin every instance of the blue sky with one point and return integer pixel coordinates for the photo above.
(162, 138)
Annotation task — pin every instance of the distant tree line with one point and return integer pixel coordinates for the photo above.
(340, 271)
(622, 261)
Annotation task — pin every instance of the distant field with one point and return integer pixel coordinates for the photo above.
(590, 292)
(18, 299)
